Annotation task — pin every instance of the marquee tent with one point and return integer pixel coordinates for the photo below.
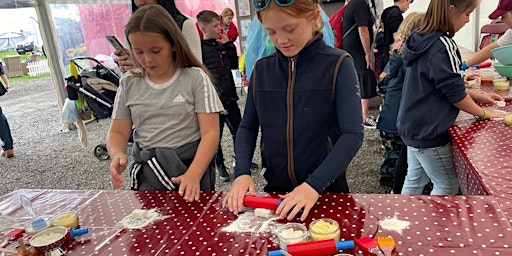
(468, 37)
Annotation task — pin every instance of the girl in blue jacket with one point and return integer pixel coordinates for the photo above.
(433, 94)
(304, 97)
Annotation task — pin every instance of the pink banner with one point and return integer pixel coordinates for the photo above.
(99, 20)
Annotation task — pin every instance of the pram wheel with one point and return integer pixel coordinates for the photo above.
(101, 152)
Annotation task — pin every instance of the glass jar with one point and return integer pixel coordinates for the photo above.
(67, 220)
(292, 233)
(325, 228)
(501, 83)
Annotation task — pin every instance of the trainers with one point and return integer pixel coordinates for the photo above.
(223, 173)
(369, 123)
(8, 153)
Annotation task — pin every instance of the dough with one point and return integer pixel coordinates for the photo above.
(262, 212)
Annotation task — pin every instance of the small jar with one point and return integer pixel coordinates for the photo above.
(292, 233)
(501, 84)
(67, 220)
(323, 229)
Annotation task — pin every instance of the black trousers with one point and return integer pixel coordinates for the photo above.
(232, 119)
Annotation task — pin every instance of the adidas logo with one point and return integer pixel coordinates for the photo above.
(178, 99)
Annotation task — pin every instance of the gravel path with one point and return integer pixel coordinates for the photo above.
(49, 156)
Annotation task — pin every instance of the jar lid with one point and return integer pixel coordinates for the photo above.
(38, 224)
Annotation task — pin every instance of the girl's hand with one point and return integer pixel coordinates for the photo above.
(494, 114)
(302, 197)
(235, 197)
(189, 186)
(124, 59)
(117, 166)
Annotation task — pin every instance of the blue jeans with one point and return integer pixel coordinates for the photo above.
(5, 132)
(431, 164)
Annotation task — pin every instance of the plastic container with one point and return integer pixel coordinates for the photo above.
(66, 219)
(502, 54)
(292, 233)
(503, 70)
(324, 228)
(37, 225)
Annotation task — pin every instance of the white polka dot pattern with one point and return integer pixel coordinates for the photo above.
(439, 225)
(482, 153)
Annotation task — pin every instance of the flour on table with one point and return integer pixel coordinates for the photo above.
(394, 224)
(248, 222)
(140, 218)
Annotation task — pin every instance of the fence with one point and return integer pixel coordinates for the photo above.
(38, 67)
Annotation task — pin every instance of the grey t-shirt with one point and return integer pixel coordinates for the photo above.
(164, 115)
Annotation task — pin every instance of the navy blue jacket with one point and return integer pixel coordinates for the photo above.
(433, 83)
(310, 131)
(389, 111)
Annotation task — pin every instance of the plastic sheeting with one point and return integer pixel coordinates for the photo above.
(439, 225)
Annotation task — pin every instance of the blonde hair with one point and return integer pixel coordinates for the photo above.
(227, 12)
(439, 18)
(306, 9)
(155, 19)
(410, 24)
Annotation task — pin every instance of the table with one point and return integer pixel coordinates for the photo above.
(483, 157)
(439, 225)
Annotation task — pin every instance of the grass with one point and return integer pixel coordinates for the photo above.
(23, 58)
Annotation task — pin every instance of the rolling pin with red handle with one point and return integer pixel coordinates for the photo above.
(265, 202)
(317, 248)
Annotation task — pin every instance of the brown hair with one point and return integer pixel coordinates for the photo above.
(206, 16)
(410, 24)
(438, 17)
(154, 18)
(301, 9)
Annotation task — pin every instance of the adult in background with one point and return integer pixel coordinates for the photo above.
(5, 135)
(304, 99)
(227, 24)
(504, 10)
(358, 43)
(4, 76)
(391, 18)
(186, 25)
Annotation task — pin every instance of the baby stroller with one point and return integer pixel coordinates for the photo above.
(98, 87)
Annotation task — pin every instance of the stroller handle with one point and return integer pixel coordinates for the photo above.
(93, 59)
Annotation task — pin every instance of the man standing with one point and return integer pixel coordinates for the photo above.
(357, 41)
(392, 18)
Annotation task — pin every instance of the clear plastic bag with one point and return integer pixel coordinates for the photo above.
(69, 111)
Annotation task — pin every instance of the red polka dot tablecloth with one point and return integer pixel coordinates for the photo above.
(483, 157)
(437, 225)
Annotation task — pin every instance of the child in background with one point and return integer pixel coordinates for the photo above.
(433, 94)
(171, 104)
(504, 10)
(394, 166)
(220, 57)
(304, 97)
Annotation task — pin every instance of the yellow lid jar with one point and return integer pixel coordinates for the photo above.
(323, 229)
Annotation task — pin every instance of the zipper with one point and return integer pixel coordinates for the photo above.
(289, 124)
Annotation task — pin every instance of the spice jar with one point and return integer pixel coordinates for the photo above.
(325, 228)
(292, 233)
